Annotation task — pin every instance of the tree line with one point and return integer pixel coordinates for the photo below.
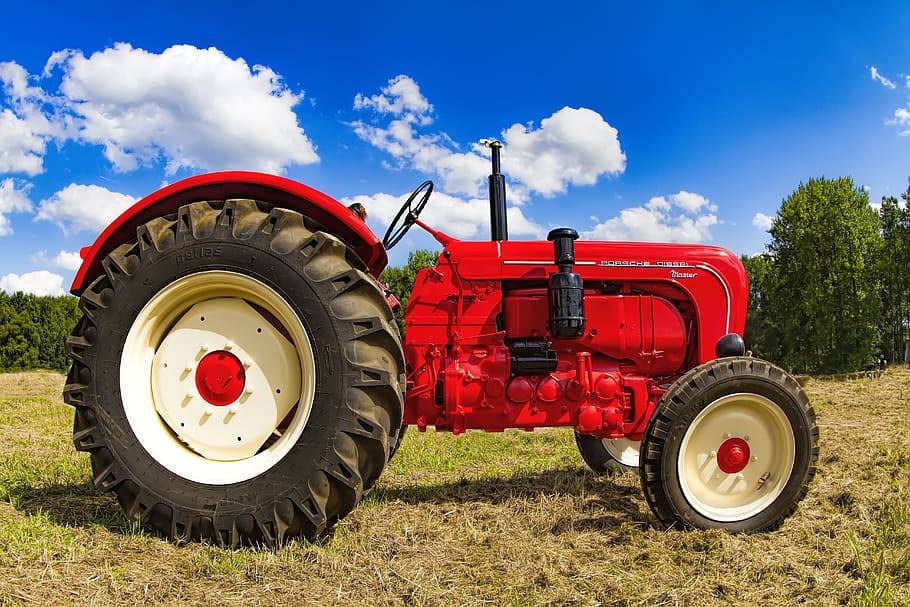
(830, 294)
(33, 331)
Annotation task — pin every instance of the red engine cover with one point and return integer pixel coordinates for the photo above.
(643, 330)
(653, 311)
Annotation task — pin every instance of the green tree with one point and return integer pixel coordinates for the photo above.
(33, 331)
(18, 337)
(825, 300)
(762, 335)
(894, 276)
(401, 280)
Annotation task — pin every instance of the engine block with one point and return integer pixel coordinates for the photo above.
(481, 354)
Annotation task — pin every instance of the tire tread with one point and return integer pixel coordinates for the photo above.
(372, 347)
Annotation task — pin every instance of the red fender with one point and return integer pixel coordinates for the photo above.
(280, 191)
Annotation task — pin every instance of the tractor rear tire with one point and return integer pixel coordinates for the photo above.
(607, 457)
(325, 305)
(732, 445)
(397, 442)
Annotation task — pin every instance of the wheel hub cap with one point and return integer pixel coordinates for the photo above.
(733, 455)
(224, 378)
(220, 378)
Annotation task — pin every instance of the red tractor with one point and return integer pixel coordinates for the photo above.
(238, 374)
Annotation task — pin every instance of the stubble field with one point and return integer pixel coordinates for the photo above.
(482, 519)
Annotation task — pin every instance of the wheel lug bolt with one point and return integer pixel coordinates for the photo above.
(713, 454)
(739, 477)
(746, 438)
(727, 435)
(229, 345)
(204, 348)
(248, 363)
(754, 458)
(233, 409)
(188, 366)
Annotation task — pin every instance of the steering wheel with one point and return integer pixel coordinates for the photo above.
(408, 214)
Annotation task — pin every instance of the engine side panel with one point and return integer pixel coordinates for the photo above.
(644, 330)
(653, 312)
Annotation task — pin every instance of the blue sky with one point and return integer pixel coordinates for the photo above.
(696, 117)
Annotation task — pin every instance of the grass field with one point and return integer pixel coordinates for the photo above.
(482, 519)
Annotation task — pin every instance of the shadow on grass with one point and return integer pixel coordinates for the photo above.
(623, 502)
(80, 505)
(74, 505)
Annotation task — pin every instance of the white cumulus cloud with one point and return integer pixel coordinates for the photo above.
(13, 199)
(195, 107)
(762, 222)
(901, 115)
(41, 282)
(877, 76)
(465, 218)
(187, 107)
(402, 94)
(902, 118)
(27, 123)
(573, 146)
(78, 208)
(66, 260)
(681, 217)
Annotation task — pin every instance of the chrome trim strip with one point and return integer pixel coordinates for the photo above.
(516, 262)
(723, 283)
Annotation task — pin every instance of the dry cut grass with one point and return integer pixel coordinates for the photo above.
(483, 519)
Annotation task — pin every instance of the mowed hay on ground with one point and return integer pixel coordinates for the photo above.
(482, 519)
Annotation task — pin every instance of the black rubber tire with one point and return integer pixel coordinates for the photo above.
(684, 401)
(357, 411)
(397, 442)
(597, 457)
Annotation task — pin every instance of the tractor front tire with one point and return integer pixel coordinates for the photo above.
(607, 456)
(732, 445)
(158, 421)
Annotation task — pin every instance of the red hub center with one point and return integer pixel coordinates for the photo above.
(220, 378)
(733, 455)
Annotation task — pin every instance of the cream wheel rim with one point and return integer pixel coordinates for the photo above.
(623, 450)
(736, 457)
(188, 411)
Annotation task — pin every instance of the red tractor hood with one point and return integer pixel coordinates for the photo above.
(713, 277)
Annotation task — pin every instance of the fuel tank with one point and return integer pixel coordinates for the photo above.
(641, 330)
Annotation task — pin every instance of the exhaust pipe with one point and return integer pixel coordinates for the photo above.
(499, 229)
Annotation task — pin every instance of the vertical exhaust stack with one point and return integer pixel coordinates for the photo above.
(499, 229)
(567, 290)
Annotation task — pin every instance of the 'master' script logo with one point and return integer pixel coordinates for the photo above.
(675, 274)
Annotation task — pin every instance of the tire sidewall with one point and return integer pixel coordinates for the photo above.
(802, 463)
(253, 258)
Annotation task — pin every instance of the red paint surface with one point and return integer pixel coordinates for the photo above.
(653, 312)
(220, 378)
